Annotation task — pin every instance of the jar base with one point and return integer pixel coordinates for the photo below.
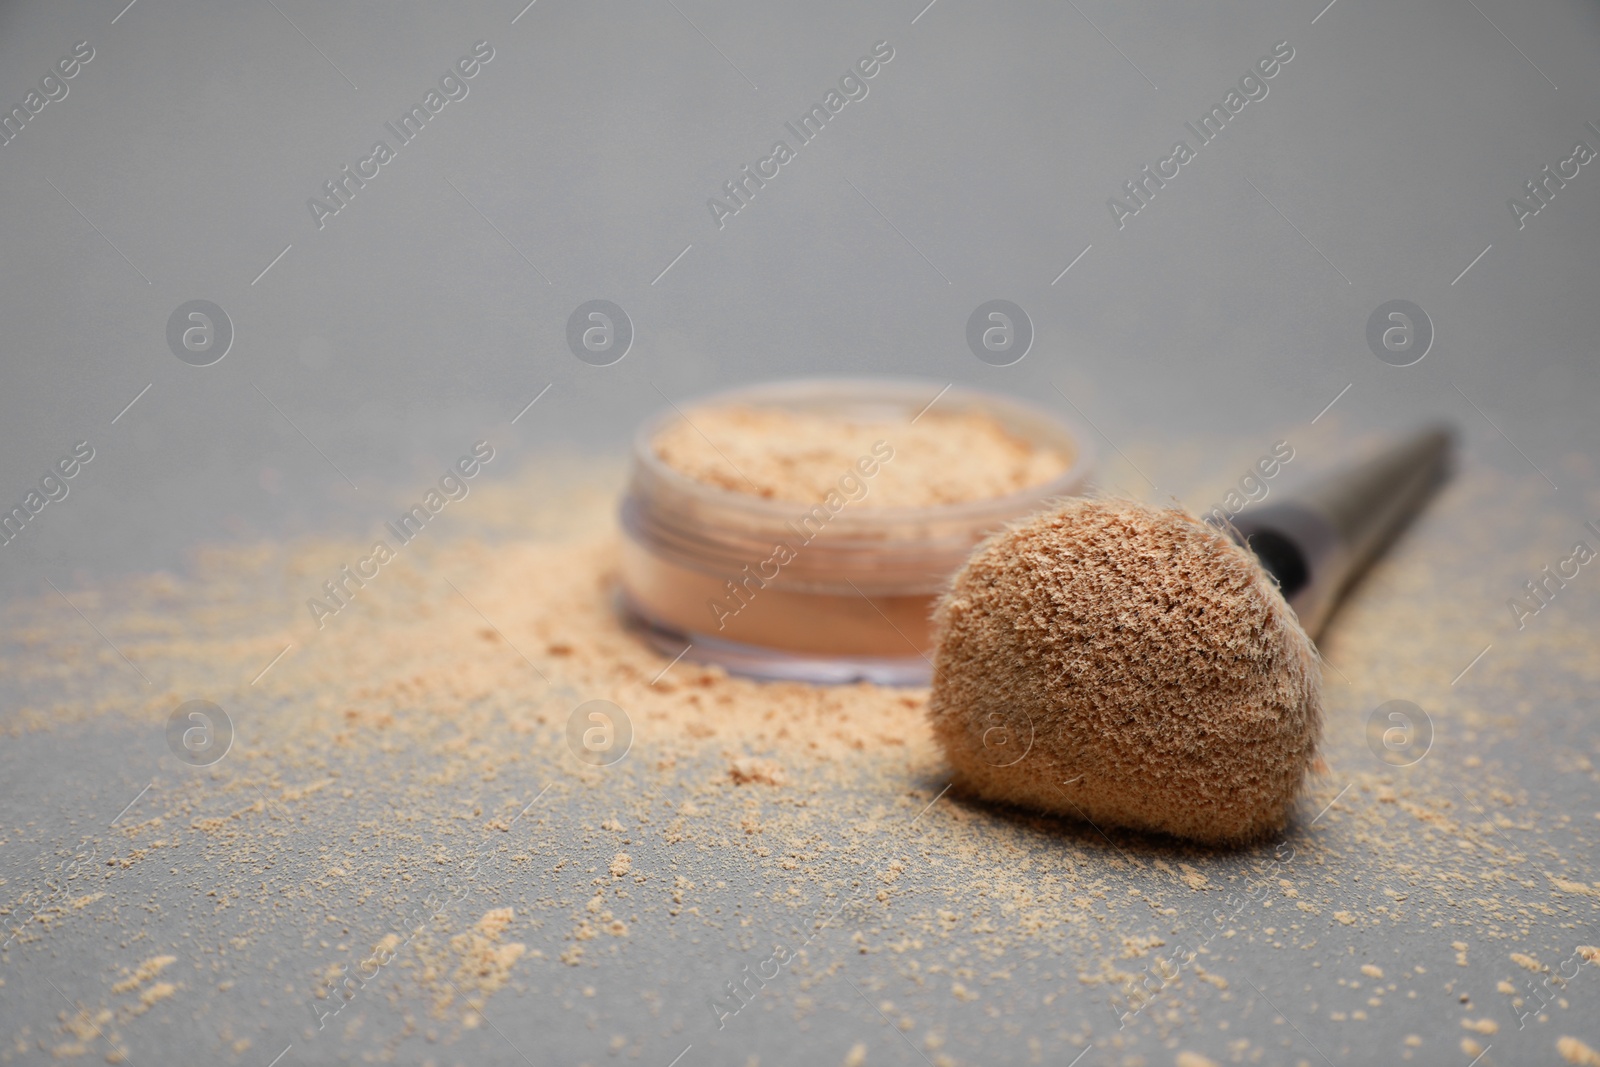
(770, 664)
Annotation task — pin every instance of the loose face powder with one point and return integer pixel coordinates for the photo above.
(778, 454)
(802, 530)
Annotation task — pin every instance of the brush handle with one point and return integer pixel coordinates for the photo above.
(1318, 541)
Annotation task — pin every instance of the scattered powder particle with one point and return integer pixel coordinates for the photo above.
(1345, 917)
(1162, 679)
(143, 973)
(1413, 1041)
(1471, 1048)
(1481, 1026)
(483, 963)
(942, 458)
(84, 1027)
(158, 992)
(1526, 962)
(621, 864)
(1193, 1059)
(1505, 987)
(1590, 953)
(1574, 1051)
(748, 769)
(856, 1056)
(1574, 887)
(1372, 970)
(494, 923)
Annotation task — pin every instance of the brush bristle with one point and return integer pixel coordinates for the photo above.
(1129, 666)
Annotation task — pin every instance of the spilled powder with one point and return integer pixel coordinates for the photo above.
(942, 458)
(158, 992)
(747, 769)
(485, 961)
(143, 973)
(422, 727)
(87, 1030)
(1574, 1051)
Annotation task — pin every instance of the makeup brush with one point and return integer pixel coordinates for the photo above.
(1318, 541)
(1134, 666)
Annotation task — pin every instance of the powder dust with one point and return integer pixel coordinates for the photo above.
(1574, 1051)
(483, 962)
(404, 777)
(942, 458)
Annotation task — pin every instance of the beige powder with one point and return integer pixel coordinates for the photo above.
(412, 704)
(143, 973)
(1160, 679)
(484, 961)
(1574, 1051)
(942, 458)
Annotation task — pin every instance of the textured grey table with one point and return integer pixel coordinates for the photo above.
(1384, 161)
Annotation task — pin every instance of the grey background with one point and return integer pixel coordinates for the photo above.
(978, 167)
(592, 141)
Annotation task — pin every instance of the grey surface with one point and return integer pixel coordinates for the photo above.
(978, 167)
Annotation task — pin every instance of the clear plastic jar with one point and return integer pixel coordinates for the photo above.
(818, 596)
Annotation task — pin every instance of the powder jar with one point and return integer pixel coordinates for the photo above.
(800, 591)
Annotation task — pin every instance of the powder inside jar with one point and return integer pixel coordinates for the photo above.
(941, 458)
